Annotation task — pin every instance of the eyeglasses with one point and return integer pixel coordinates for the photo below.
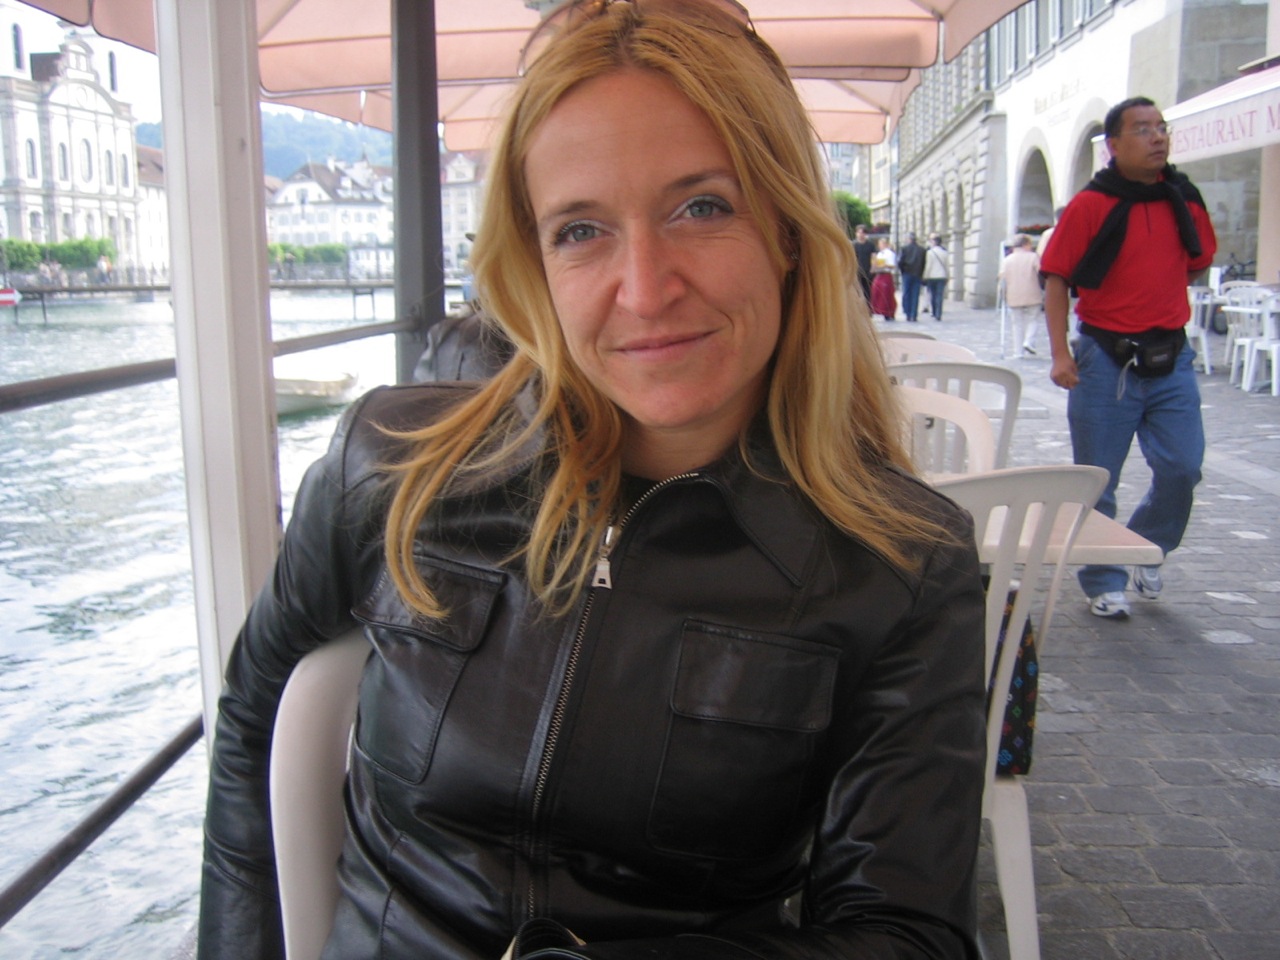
(1148, 131)
(573, 13)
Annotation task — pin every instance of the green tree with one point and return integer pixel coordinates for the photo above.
(325, 253)
(852, 210)
(21, 255)
(83, 252)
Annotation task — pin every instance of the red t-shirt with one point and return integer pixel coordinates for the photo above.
(1146, 287)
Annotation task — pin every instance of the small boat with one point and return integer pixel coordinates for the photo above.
(299, 392)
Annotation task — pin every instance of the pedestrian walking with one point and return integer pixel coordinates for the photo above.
(884, 301)
(911, 269)
(1020, 280)
(864, 248)
(1129, 244)
(936, 274)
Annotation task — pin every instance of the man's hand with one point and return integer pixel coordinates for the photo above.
(1064, 372)
(1056, 303)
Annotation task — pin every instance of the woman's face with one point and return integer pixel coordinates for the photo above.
(667, 296)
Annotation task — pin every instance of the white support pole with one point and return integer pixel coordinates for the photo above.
(213, 164)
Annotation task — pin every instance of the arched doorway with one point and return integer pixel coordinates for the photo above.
(1083, 167)
(1035, 196)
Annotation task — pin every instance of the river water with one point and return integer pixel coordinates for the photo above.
(98, 661)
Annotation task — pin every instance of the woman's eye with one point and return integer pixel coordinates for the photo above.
(576, 233)
(701, 207)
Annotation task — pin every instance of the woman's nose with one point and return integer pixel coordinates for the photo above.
(649, 279)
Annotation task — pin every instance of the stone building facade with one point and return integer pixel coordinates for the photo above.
(992, 143)
(69, 165)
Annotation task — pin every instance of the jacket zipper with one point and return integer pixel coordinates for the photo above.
(602, 579)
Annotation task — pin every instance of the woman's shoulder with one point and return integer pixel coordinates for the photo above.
(409, 405)
(383, 428)
(370, 433)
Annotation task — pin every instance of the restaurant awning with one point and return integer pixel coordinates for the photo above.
(1240, 115)
(855, 61)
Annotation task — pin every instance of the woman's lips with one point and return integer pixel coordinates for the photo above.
(656, 345)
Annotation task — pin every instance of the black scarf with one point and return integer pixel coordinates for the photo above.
(1176, 188)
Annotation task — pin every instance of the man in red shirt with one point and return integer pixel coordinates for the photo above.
(1129, 244)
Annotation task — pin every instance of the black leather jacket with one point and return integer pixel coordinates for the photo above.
(757, 712)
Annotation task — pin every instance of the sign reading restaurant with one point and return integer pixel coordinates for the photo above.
(1240, 115)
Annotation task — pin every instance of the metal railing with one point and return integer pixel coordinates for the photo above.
(32, 393)
(24, 888)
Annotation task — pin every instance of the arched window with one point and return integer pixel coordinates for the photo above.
(31, 160)
(19, 54)
(124, 169)
(64, 162)
(86, 161)
(111, 71)
(109, 168)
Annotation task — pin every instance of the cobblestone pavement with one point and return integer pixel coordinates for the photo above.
(1155, 789)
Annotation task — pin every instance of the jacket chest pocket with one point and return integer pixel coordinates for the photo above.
(747, 710)
(417, 661)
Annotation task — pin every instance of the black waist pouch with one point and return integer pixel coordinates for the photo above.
(1152, 353)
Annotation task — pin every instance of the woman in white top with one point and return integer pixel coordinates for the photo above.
(935, 274)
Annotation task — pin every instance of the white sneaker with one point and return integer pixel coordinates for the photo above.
(1148, 582)
(1112, 606)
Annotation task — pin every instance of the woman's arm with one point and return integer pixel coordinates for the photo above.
(307, 601)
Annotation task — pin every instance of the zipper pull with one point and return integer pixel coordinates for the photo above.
(603, 577)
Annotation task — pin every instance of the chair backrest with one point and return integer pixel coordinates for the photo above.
(309, 748)
(908, 349)
(946, 434)
(996, 390)
(1245, 293)
(1019, 515)
(906, 334)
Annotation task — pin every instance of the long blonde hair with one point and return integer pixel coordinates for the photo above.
(830, 408)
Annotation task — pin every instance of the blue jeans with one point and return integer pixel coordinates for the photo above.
(1164, 412)
(910, 295)
(936, 289)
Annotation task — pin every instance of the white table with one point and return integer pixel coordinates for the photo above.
(1101, 540)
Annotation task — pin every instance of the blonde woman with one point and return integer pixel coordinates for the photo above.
(664, 633)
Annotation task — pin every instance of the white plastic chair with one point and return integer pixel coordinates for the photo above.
(946, 434)
(309, 748)
(1202, 301)
(910, 349)
(1242, 297)
(974, 382)
(1263, 347)
(1014, 512)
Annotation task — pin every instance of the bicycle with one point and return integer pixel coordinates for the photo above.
(1239, 269)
